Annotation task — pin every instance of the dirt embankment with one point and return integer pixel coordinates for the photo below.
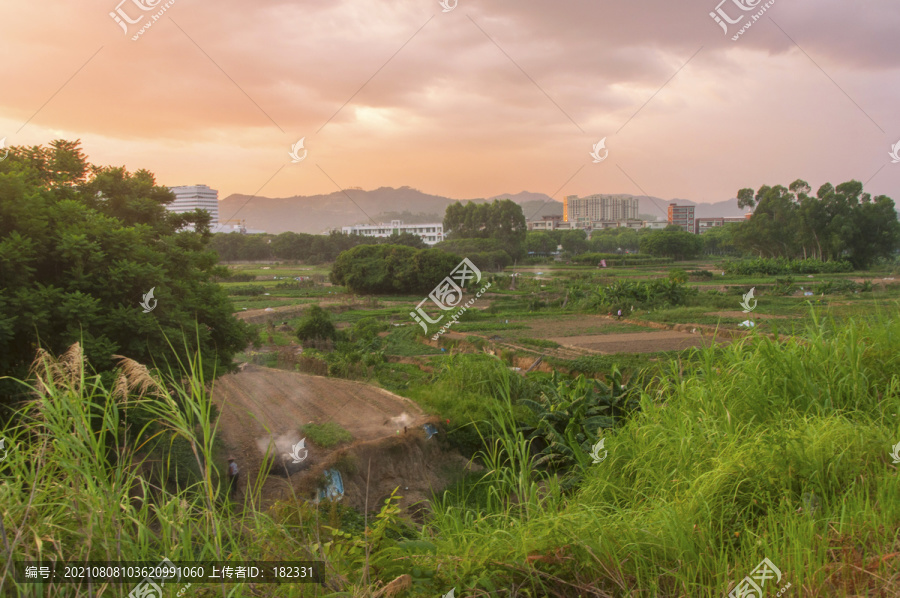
(262, 409)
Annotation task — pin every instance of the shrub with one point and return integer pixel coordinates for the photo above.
(624, 294)
(783, 266)
(391, 269)
(316, 325)
(678, 275)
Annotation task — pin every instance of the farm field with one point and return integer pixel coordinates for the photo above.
(545, 320)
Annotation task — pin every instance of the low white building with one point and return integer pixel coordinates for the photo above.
(429, 233)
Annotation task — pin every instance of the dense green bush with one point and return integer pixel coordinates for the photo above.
(252, 291)
(491, 260)
(392, 269)
(316, 325)
(678, 275)
(780, 265)
(832, 287)
(677, 244)
(654, 293)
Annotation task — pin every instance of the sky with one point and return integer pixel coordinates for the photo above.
(467, 99)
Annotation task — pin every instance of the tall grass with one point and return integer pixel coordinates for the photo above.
(768, 448)
(765, 448)
(80, 484)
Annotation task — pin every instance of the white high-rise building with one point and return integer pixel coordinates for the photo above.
(191, 197)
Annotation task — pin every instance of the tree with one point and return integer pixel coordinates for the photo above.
(719, 240)
(575, 242)
(80, 246)
(500, 220)
(676, 244)
(404, 238)
(392, 269)
(316, 325)
(838, 223)
(539, 243)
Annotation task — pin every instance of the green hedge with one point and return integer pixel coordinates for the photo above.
(780, 265)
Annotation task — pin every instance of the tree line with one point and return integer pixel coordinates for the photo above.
(837, 223)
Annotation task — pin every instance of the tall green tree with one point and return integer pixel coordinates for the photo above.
(500, 220)
(676, 244)
(840, 222)
(80, 247)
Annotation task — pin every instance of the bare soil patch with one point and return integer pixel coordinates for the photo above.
(262, 406)
(638, 342)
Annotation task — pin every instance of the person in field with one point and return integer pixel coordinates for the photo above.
(232, 476)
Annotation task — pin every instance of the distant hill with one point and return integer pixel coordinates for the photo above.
(320, 213)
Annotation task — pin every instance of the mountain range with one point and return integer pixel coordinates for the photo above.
(320, 213)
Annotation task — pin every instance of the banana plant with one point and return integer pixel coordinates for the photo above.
(570, 415)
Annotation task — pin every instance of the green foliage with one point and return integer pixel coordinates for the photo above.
(316, 325)
(719, 240)
(678, 275)
(574, 242)
(367, 329)
(570, 416)
(392, 269)
(654, 293)
(249, 291)
(676, 244)
(539, 243)
(832, 287)
(81, 244)
(782, 265)
(701, 275)
(500, 221)
(326, 435)
(481, 374)
(838, 222)
(784, 286)
(615, 240)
